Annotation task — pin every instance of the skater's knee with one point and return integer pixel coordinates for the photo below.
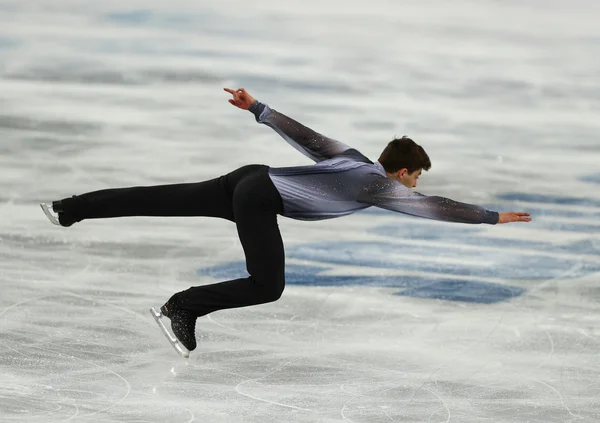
(275, 293)
(271, 289)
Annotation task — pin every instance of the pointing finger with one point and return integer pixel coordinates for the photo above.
(229, 90)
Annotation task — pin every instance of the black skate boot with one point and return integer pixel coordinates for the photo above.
(183, 324)
(56, 214)
(63, 218)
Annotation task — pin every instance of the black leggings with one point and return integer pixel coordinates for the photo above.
(245, 196)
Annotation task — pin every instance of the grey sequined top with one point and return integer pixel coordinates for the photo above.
(343, 181)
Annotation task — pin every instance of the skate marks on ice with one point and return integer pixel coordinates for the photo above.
(83, 366)
(58, 365)
(406, 361)
(238, 388)
(319, 354)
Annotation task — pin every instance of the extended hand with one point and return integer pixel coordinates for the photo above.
(507, 217)
(241, 98)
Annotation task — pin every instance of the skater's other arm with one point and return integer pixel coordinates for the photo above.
(391, 195)
(310, 143)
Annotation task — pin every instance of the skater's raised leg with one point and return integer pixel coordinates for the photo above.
(211, 198)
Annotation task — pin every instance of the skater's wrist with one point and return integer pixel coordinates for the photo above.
(256, 109)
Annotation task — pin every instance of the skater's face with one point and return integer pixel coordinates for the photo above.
(409, 179)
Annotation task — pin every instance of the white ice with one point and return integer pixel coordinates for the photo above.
(503, 95)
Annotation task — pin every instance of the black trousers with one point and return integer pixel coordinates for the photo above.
(245, 196)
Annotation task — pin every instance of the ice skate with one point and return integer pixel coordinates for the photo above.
(55, 214)
(183, 326)
(50, 213)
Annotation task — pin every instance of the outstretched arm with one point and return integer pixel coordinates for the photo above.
(310, 143)
(391, 195)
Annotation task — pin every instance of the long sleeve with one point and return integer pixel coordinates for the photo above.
(310, 143)
(391, 195)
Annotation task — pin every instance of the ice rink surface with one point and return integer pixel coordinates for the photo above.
(385, 318)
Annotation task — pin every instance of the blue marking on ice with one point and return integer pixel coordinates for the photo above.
(8, 43)
(505, 264)
(166, 20)
(594, 178)
(466, 291)
(413, 286)
(130, 17)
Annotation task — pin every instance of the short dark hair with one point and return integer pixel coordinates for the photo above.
(403, 153)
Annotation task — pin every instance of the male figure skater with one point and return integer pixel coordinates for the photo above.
(341, 182)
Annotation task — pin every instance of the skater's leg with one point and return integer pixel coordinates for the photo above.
(211, 198)
(256, 204)
(265, 263)
(206, 198)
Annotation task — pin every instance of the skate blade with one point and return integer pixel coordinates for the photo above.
(47, 208)
(183, 351)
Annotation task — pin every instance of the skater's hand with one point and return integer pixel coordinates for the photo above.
(241, 98)
(507, 217)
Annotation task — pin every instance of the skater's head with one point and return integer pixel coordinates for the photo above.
(404, 160)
